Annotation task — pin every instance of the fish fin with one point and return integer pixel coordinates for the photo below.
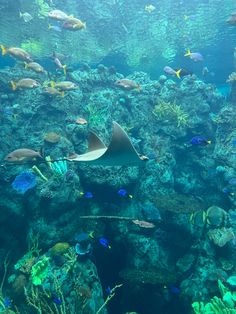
(139, 88)
(20, 14)
(188, 53)
(26, 65)
(52, 83)
(178, 73)
(62, 94)
(4, 50)
(84, 25)
(13, 85)
(64, 69)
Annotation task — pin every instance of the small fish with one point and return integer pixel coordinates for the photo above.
(53, 91)
(87, 195)
(26, 83)
(128, 84)
(64, 85)
(104, 242)
(170, 71)
(143, 224)
(16, 53)
(232, 19)
(26, 17)
(228, 191)
(184, 72)
(74, 23)
(59, 64)
(35, 67)
(198, 218)
(81, 121)
(58, 15)
(149, 8)
(55, 299)
(124, 193)
(200, 140)
(22, 154)
(84, 236)
(55, 28)
(195, 56)
(108, 290)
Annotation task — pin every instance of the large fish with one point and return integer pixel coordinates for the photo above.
(22, 154)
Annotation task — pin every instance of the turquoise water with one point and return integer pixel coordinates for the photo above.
(117, 157)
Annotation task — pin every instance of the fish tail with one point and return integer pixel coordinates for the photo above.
(13, 85)
(91, 234)
(4, 50)
(84, 25)
(49, 26)
(178, 73)
(26, 65)
(62, 94)
(139, 88)
(188, 53)
(64, 69)
(52, 83)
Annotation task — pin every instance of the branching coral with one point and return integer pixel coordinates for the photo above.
(224, 305)
(171, 112)
(221, 236)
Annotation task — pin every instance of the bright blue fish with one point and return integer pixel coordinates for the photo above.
(124, 193)
(200, 140)
(56, 300)
(104, 242)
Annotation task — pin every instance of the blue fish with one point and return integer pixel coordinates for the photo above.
(104, 242)
(124, 193)
(227, 191)
(56, 300)
(108, 290)
(173, 289)
(87, 194)
(84, 236)
(200, 140)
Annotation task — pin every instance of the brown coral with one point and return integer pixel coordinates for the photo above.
(221, 236)
(52, 137)
(151, 276)
(178, 203)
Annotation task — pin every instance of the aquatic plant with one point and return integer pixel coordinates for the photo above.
(44, 8)
(170, 111)
(224, 305)
(25, 181)
(39, 271)
(109, 297)
(59, 167)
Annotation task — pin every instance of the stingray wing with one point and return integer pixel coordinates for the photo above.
(119, 152)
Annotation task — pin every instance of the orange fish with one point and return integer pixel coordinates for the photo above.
(143, 224)
(17, 53)
(22, 154)
(25, 83)
(81, 121)
(128, 84)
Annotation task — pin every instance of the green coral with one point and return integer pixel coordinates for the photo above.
(39, 271)
(224, 305)
(44, 8)
(33, 47)
(172, 112)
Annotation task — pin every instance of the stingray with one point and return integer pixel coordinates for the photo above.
(119, 152)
